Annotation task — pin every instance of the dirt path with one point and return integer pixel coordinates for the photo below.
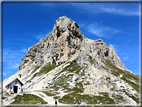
(50, 100)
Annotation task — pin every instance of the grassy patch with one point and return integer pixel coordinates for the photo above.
(72, 98)
(133, 97)
(108, 78)
(87, 83)
(126, 75)
(56, 97)
(61, 82)
(106, 68)
(36, 67)
(28, 81)
(67, 99)
(105, 99)
(48, 93)
(45, 69)
(71, 68)
(93, 61)
(135, 86)
(7, 94)
(28, 99)
(78, 88)
(36, 74)
(115, 70)
(118, 98)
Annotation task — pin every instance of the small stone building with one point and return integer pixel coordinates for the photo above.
(15, 86)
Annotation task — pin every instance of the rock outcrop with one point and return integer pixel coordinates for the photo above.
(67, 39)
(64, 40)
(56, 47)
(112, 54)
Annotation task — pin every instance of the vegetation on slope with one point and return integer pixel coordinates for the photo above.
(35, 68)
(50, 92)
(47, 68)
(74, 92)
(44, 70)
(131, 79)
(93, 61)
(73, 97)
(118, 98)
(127, 76)
(28, 99)
(62, 80)
(132, 96)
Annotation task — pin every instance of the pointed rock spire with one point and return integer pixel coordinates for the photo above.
(113, 55)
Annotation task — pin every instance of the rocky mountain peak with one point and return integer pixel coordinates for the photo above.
(110, 46)
(65, 26)
(63, 42)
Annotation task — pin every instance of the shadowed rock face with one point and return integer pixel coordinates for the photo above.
(63, 42)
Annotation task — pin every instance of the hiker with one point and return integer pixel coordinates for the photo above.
(56, 102)
(79, 102)
(21, 90)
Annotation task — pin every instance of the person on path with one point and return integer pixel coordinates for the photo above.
(78, 102)
(56, 103)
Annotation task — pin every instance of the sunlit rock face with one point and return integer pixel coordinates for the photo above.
(64, 40)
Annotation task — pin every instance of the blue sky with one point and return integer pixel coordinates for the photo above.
(24, 24)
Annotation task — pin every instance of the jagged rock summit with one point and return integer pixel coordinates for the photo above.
(74, 67)
(64, 40)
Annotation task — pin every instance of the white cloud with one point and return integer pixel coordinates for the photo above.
(24, 50)
(13, 65)
(12, 58)
(38, 37)
(41, 35)
(125, 58)
(102, 31)
(7, 73)
(81, 24)
(120, 10)
(112, 8)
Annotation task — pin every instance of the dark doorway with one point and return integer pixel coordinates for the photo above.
(15, 88)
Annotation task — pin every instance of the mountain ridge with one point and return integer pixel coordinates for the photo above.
(68, 30)
(75, 67)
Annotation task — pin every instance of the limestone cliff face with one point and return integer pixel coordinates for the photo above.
(56, 47)
(65, 40)
(112, 54)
